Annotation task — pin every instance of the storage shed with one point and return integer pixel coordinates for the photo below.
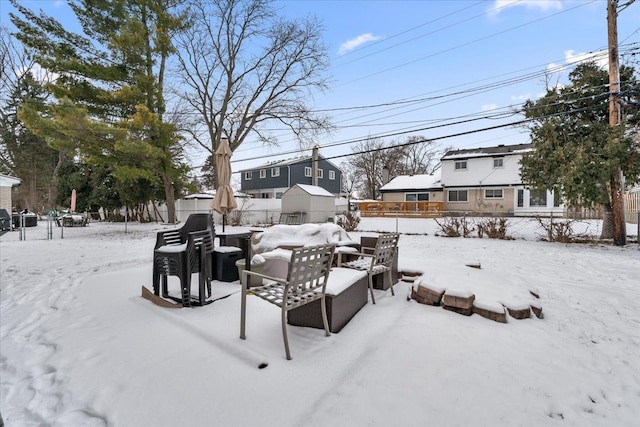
(316, 203)
(6, 183)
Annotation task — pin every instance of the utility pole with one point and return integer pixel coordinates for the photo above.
(314, 166)
(616, 190)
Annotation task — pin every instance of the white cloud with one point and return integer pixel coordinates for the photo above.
(352, 44)
(600, 58)
(521, 98)
(543, 5)
(489, 107)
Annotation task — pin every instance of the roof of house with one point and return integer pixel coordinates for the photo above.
(413, 182)
(286, 162)
(488, 151)
(9, 181)
(312, 190)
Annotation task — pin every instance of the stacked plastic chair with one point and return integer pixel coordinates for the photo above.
(181, 253)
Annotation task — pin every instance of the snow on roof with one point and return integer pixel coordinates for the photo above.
(8, 181)
(313, 190)
(413, 182)
(199, 196)
(488, 151)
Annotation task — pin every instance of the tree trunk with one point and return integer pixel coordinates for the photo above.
(617, 208)
(171, 200)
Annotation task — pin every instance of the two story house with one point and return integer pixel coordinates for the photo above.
(273, 179)
(488, 181)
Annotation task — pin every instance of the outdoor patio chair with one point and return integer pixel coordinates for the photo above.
(181, 253)
(379, 261)
(306, 282)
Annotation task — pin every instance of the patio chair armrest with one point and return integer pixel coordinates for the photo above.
(171, 237)
(264, 276)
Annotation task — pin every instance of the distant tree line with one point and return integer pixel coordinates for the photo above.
(108, 110)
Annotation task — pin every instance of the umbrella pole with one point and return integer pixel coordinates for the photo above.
(224, 219)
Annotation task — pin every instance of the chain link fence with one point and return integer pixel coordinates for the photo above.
(595, 227)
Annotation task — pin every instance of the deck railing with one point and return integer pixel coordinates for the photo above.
(408, 209)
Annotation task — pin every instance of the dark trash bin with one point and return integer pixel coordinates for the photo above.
(30, 219)
(225, 258)
(5, 220)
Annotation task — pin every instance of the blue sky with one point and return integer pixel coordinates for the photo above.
(427, 62)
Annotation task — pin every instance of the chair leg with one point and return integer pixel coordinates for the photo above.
(391, 282)
(284, 333)
(165, 289)
(325, 321)
(185, 284)
(373, 298)
(156, 280)
(243, 309)
(201, 287)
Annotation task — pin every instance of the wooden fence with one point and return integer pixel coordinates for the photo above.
(632, 207)
(405, 209)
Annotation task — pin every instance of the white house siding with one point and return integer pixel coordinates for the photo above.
(480, 172)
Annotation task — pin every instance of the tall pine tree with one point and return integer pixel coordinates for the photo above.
(110, 87)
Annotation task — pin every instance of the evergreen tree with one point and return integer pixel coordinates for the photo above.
(110, 88)
(576, 152)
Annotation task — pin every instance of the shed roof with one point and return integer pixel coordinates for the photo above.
(9, 181)
(312, 190)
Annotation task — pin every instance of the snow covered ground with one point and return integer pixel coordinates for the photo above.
(80, 347)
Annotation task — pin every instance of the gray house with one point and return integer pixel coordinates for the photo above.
(273, 179)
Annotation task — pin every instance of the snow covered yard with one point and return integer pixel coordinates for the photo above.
(80, 347)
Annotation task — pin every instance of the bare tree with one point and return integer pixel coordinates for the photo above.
(367, 163)
(416, 155)
(23, 154)
(243, 68)
(420, 156)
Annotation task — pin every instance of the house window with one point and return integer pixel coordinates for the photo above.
(498, 162)
(493, 194)
(416, 197)
(248, 175)
(307, 171)
(556, 199)
(520, 198)
(275, 172)
(458, 196)
(538, 198)
(461, 165)
(320, 173)
(279, 195)
(263, 173)
(332, 175)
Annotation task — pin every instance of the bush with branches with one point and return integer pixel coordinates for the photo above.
(349, 221)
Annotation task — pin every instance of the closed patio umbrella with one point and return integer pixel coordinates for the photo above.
(73, 200)
(224, 202)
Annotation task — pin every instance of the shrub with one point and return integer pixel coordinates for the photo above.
(348, 220)
(456, 227)
(493, 228)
